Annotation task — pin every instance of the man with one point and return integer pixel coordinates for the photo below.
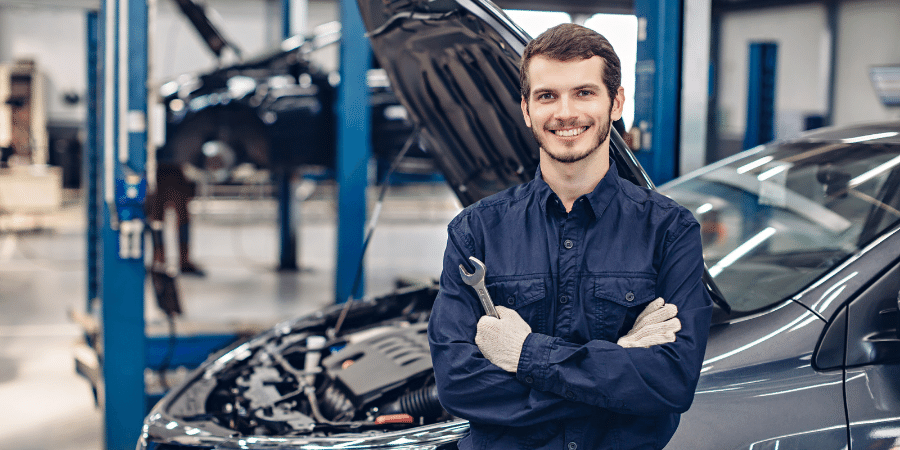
(173, 190)
(584, 355)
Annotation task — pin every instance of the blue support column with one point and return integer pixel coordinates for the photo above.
(91, 161)
(122, 264)
(658, 86)
(353, 150)
(287, 225)
(761, 94)
(285, 19)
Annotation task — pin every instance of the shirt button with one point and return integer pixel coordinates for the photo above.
(564, 299)
(629, 296)
(529, 380)
(511, 301)
(570, 395)
(572, 446)
(568, 244)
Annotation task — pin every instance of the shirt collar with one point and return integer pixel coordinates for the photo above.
(597, 200)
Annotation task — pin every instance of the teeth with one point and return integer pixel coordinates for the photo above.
(570, 133)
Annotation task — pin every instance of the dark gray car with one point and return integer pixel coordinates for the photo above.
(801, 237)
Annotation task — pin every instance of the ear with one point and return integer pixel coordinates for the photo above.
(525, 112)
(618, 105)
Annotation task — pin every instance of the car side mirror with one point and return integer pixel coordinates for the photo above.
(864, 331)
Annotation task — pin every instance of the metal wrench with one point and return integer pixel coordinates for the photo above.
(476, 280)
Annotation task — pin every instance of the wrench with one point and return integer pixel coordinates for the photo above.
(476, 280)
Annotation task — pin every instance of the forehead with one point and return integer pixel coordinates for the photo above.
(551, 74)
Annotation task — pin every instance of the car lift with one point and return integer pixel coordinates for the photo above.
(117, 168)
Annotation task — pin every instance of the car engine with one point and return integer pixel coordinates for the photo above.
(379, 378)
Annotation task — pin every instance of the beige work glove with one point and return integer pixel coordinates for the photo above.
(501, 340)
(656, 325)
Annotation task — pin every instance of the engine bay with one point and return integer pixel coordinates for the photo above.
(308, 380)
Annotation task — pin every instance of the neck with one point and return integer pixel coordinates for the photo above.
(572, 180)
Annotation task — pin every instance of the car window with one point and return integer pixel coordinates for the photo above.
(777, 217)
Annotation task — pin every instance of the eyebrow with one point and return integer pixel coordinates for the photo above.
(590, 86)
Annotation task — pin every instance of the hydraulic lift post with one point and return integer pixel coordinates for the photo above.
(353, 150)
(658, 86)
(122, 162)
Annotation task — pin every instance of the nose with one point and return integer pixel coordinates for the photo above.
(565, 108)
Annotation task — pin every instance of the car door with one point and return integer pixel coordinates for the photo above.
(872, 364)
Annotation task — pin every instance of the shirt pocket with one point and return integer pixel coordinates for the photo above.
(615, 302)
(524, 296)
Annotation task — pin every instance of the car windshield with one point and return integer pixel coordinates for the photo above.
(775, 218)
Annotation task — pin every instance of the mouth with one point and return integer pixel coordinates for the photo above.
(569, 132)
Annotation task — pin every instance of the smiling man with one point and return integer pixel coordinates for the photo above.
(603, 313)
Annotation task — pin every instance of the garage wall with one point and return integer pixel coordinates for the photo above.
(55, 40)
(54, 36)
(802, 72)
(869, 35)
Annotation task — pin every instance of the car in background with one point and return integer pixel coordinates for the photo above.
(802, 238)
(276, 111)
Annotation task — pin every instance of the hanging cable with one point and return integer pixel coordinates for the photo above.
(370, 228)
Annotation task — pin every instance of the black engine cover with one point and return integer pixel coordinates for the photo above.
(382, 363)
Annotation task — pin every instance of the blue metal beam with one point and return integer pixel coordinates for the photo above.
(285, 19)
(122, 266)
(287, 255)
(658, 86)
(353, 150)
(287, 224)
(91, 161)
(834, 38)
(761, 94)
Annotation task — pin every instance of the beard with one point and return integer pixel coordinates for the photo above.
(572, 158)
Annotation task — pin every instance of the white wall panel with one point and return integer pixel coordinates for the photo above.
(869, 35)
(803, 57)
(55, 39)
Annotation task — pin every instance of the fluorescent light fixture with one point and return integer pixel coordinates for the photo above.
(705, 208)
(773, 171)
(869, 137)
(750, 166)
(875, 172)
(742, 250)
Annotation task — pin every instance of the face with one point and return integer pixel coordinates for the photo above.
(568, 109)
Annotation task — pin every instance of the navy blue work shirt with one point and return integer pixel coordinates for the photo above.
(579, 279)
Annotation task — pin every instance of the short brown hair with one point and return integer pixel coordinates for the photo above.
(567, 42)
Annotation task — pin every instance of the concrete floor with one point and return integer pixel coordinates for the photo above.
(45, 405)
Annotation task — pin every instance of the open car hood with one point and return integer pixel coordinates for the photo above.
(454, 64)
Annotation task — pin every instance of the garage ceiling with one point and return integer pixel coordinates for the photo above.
(570, 6)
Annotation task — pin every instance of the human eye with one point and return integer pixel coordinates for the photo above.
(585, 93)
(545, 96)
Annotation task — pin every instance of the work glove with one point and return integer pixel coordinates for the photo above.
(656, 325)
(501, 340)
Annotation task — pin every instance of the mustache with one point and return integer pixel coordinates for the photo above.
(569, 123)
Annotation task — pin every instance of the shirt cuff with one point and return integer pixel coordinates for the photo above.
(533, 361)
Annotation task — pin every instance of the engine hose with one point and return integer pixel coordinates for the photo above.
(335, 404)
(420, 403)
